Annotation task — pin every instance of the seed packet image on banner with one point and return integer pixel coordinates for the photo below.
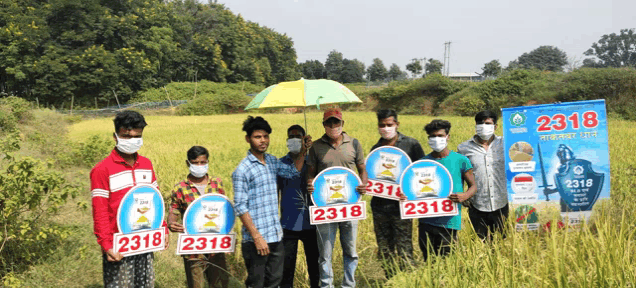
(425, 182)
(335, 186)
(389, 166)
(210, 214)
(142, 211)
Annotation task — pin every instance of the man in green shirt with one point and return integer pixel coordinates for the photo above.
(437, 233)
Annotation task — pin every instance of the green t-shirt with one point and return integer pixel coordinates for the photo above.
(457, 164)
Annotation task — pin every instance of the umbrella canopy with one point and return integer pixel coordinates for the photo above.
(303, 93)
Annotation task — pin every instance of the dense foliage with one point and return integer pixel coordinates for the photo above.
(613, 50)
(528, 87)
(92, 50)
(33, 185)
(545, 58)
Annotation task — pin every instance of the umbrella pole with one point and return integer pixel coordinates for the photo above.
(305, 112)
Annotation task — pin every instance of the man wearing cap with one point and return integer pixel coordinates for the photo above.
(336, 148)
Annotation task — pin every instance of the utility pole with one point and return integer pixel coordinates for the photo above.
(446, 69)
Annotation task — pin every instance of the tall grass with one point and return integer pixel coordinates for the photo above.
(601, 254)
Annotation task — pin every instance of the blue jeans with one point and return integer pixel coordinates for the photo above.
(326, 239)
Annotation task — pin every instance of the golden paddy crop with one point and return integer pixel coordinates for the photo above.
(602, 254)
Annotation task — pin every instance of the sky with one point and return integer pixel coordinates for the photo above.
(397, 31)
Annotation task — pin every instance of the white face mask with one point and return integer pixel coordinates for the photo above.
(198, 170)
(333, 133)
(129, 146)
(294, 145)
(485, 131)
(388, 132)
(437, 143)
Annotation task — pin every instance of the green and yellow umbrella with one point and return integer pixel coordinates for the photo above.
(303, 93)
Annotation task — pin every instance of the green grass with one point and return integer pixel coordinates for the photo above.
(603, 254)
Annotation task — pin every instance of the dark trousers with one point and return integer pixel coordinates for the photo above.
(212, 269)
(435, 240)
(310, 243)
(394, 237)
(263, 271)
(488, 223)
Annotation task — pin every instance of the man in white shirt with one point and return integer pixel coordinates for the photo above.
(489, 205)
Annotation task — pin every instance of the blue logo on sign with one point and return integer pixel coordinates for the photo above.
(210, 213)
(142, 208)
(387, 163)
(426, 179)
(336, 185)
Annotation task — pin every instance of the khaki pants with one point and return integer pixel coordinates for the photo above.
(212, 269)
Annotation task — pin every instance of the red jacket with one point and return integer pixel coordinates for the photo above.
(110, 180)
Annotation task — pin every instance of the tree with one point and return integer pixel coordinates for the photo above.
(591, 63)
(313, 69)
(545, 58)
(491, 69)
(573, 64)
(352, 72)
(415, 67)
(334, 65)
(614, 50)
(512, 65)
(88, 50)
(433, 66)
(394, 72)
(377, 71)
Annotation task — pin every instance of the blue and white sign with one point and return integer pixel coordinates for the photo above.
(208, 224)
(210, 213)
(426, 179)
(387, 163)
(558, 153)
(336, 185)
(142, 208)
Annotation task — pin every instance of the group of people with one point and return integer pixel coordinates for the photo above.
(263, 184)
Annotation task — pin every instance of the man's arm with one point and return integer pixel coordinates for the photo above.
(100, 191)
(469, 178)
(362, 171)
(239, 180)
(174, 214)
(259, 241)
(311, 169)
(164, 224)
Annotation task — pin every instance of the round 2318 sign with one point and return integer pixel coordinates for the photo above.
(335, 197)
(139, 220)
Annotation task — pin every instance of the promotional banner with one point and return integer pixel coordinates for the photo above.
(139, 219)
(208, 224)
(557, 155)
(427, 184)
(385, 166)
(335, 197)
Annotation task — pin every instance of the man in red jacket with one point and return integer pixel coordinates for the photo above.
(110, 180)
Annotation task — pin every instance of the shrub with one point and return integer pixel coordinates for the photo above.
(418, 96)
(20, 108)
(185, 90)
(529, 87)
(94, 149)
(7, 119)
(30, 192)
(208, 104)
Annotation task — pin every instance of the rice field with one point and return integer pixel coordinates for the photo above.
(601, 254)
